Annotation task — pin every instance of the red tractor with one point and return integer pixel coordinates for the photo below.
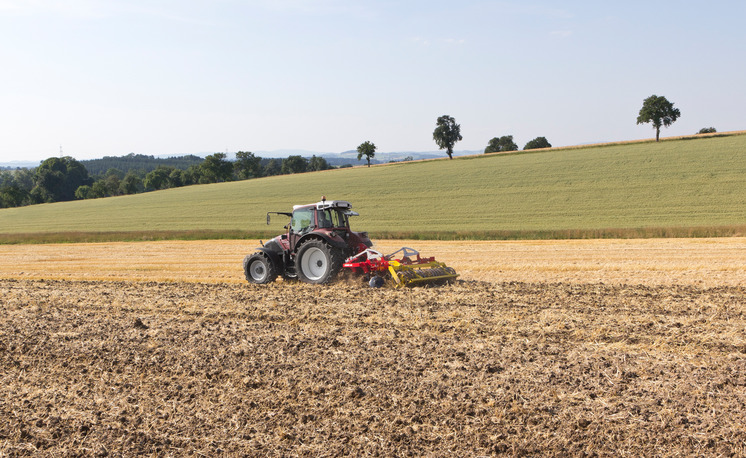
(319, 243)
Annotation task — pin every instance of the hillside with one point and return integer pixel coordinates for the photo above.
(693, 182)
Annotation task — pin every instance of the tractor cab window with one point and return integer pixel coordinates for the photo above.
(301, 219)
(330, 218)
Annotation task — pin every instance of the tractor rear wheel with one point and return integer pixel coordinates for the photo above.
(259, 269)
(317, 262)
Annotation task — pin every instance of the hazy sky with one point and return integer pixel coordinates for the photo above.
(188, 76)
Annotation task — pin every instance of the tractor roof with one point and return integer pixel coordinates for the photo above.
(324, 204)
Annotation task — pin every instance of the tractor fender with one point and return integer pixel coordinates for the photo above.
(336, 242)
(274, 254)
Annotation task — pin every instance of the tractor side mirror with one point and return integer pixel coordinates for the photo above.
(267, 219)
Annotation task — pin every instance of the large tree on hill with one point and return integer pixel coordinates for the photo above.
(498, 145)
(57, 179)
(659, 111)
(447, 133)
(367, 149)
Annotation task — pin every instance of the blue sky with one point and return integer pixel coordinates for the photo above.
(189, 77)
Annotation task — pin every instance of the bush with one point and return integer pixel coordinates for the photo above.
(501, 144)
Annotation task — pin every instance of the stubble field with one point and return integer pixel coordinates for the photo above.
(553, 348)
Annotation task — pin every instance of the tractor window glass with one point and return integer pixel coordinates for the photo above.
(324, 218)
(301, 219)
(339, 219)
(331, 219)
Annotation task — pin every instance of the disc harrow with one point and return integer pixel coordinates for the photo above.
(408, 270)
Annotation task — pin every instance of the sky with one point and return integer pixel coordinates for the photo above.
(89, 78)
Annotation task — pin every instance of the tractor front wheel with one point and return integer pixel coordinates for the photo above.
(317, 262)
(259, 269)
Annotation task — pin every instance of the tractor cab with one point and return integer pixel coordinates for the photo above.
(323, 215)
(327, 219)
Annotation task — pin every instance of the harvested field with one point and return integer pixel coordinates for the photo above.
(700, 262)
(161, 349)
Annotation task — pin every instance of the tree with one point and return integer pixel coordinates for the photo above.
(272, 168)
(215, 169)
(157, 179)
(84, 192)
(24, 179)
(447, 133)
(13, 196)
(6, 179)
(366, 149)
(98, 190)
(498, 145)
(658, 111)
(130, 184)
(57, 179)
(247, 165)
(707, 130)
(317, 163)
(176, 178)
(538, 142)
(115, 172)
(193, 175)
(294, 164)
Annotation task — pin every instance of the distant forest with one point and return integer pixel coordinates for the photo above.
(133, 162)
(60, 179)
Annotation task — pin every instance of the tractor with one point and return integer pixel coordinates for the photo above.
(319, 243)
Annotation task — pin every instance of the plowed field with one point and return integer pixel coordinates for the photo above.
(210, 366)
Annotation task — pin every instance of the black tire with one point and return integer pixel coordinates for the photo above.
(259, 269)
(317, 262)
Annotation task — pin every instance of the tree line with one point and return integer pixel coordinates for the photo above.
(447, 133)
(656, 110)
(59, 179)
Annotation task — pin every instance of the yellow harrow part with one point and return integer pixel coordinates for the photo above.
(413, 274)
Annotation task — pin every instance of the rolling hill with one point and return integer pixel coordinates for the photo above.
(689, 186)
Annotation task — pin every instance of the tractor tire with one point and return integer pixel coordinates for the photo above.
(259, 269)
(317, 262)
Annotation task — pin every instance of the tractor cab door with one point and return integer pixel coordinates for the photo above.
(300, 224)
(331, 219)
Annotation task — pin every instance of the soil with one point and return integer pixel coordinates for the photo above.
(126, 368)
